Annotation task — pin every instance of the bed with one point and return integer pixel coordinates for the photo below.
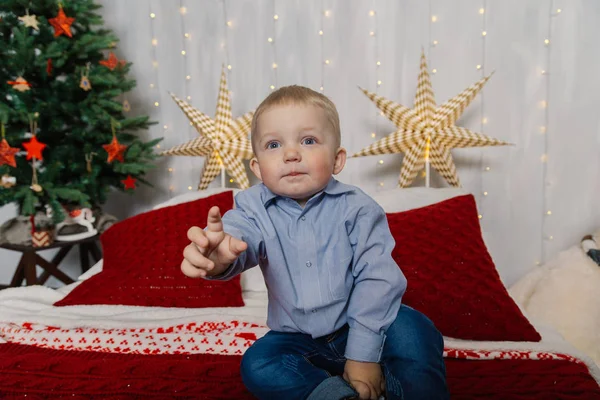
(134, 327)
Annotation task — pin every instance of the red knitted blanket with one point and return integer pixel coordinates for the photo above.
(43, 373)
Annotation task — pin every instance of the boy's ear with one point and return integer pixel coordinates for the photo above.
(340, 160)
(255, 168)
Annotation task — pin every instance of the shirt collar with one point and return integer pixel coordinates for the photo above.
(334, 187)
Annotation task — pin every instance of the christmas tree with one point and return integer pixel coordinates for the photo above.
(66, 138)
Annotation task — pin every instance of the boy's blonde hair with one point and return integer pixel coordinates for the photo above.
(298, 95)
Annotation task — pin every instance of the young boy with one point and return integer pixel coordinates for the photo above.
(338, 329)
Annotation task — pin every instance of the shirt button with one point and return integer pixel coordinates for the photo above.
(303, 218)
(308, 264)
(314, 311)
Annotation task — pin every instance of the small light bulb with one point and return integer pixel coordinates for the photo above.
(152, 86)
(378, 83)
(542, 129)
(230, 180)
(544, 158)
(487, 168)
(378, 63)
(191, 124)
(551, 237)
(484, 120)
(549, 212)
(543, 72)
(171, 188)
(158, 146)
(170, 169)
(229, 23)
(183, 10)
(434, 70)
(373, 134)
(188, 77)
(381, 113)
(543, 104)
(187, 35)
(152, 15)
(485, 193)
(321, 88)
(155, 64)
(537, 263)
(165, 127)
(229, 67)
(183, 52)
(154, 42)
(478, 66)
(381, 184)
(189, 188)
(270, 40)
(274, 65)
(380, 161)
(275, 17)
(372, 33)
(371, 13)
(547, 42)
(321, 33)
(156, 104)
(481, 10)
(327, 13)
(272, 87)
(327, 62)
(484, 33)
(189, 97)
(558, 10)
(480, 216)
(435, 42)
(433, 18)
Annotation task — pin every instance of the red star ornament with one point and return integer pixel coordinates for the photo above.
(129, 182)
(34, 148)
(112, 61)
(115, 150)
(61, 24)
(7, 154)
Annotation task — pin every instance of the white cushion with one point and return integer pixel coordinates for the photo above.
(404, 199)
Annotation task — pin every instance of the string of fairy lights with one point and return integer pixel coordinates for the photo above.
(271, 40)
(484, 120)
(552, 14)
(373, 35)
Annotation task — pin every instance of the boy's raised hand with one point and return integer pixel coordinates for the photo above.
(212, 251)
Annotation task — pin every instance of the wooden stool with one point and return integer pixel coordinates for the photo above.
(29, 259)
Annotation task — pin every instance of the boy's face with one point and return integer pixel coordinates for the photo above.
(296, 151)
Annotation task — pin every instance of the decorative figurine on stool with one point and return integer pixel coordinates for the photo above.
(77, 225)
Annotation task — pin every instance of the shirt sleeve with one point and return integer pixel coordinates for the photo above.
(379, 284)
(240, 223)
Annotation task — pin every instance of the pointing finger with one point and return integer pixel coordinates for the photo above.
(213, 222)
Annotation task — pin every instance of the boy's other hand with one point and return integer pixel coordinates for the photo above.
(211, 251)
(366, 378)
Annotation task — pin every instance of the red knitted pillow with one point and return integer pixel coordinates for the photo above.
(142, 259)
(451, 276)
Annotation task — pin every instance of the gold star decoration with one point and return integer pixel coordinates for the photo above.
(427, 132)
(30, 21)
(223, 141)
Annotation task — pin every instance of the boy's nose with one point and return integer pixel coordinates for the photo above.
(291, 155)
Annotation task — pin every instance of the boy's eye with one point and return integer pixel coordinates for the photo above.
(309, 141)
(272, 145)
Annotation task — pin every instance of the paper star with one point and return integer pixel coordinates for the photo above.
(20, 84)
(61, 24)
(30, 21)
(129, 182)
(427, 131)
(7, 154)
(34, 148)
(223, 141)
(112, 61)
(115, 150)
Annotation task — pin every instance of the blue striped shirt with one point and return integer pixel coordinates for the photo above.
(325, 265)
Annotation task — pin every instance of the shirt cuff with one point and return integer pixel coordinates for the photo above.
(364, 345)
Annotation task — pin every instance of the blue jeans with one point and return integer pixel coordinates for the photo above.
(295, 366)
